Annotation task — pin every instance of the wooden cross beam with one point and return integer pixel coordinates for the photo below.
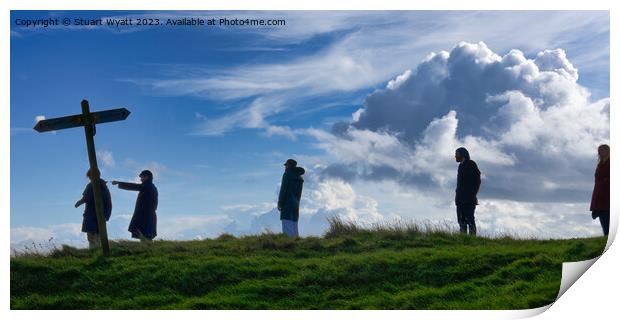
(88, 121)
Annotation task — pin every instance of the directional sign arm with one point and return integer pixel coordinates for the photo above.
(110, 115)
(76, 120)
(59, 123)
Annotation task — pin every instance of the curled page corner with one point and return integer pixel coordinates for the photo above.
(571, 271)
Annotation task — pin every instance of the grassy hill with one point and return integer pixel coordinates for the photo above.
(349, 268)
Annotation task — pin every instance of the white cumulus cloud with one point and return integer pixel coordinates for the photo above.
(524, 120)
(106, 157)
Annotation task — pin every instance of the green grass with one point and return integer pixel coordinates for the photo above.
(352, 267)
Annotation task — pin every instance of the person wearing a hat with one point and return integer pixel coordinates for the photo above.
(89, 223)
(290, 196)
(143, 224)
(467, 187)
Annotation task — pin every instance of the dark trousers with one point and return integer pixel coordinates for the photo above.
(465, 217)
(603, 218)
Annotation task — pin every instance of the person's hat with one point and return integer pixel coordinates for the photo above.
(291, 161)
(146, 173)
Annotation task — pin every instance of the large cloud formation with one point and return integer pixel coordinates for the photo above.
(527, 122)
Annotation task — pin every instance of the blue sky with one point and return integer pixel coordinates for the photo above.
(217, 110)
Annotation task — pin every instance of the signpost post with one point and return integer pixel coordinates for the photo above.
(88, 121)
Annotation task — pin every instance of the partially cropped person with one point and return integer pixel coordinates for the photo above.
(600, 195)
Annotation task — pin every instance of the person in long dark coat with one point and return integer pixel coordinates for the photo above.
(467, 187)
(89, 222)
(600, 195)
(290, 196)
(143, 223)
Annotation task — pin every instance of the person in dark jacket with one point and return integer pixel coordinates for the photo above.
(467, 187)
(600, 195)
(289, 197)
(143, 224)
(89, 223)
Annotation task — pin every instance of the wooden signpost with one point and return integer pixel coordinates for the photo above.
(88, 121)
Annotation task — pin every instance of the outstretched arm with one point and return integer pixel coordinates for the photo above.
(127, 185)
(80, 202)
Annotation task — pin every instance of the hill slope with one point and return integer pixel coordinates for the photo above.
(349, 270)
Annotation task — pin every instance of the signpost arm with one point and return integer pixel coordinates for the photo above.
(94, 177)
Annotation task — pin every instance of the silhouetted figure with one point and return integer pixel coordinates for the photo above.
(89, 223)
(467, 186)
(289, 197)
(600, 195)
(143, 224)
